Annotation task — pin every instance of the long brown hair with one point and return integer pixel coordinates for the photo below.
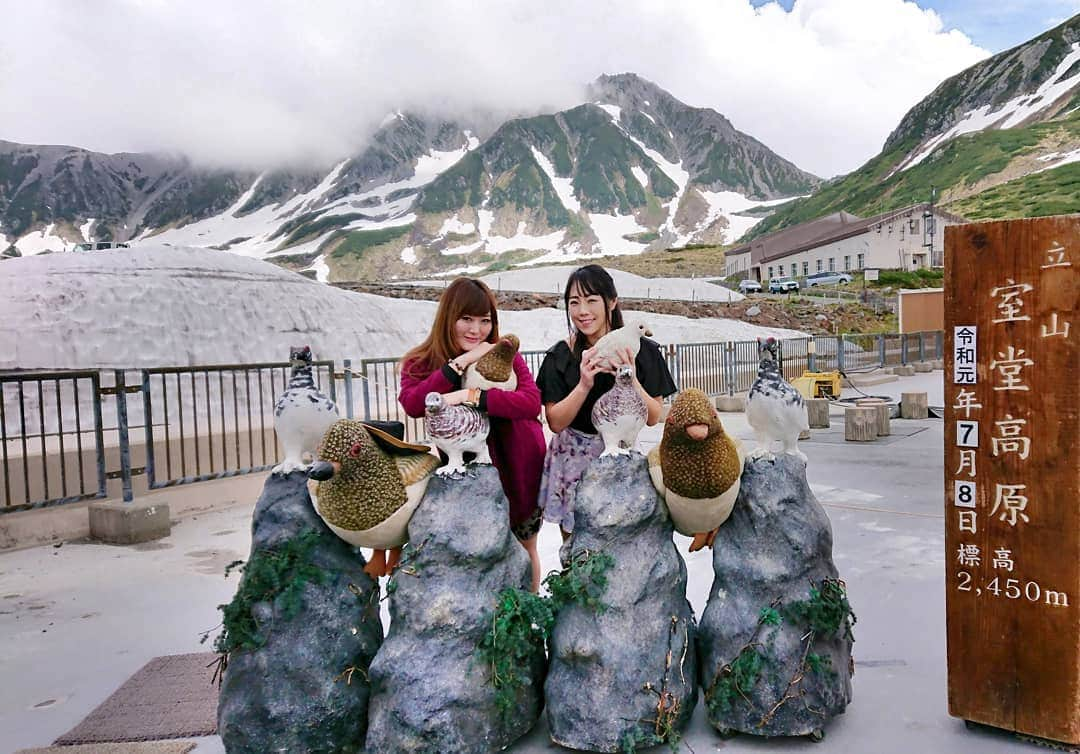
(464, 296)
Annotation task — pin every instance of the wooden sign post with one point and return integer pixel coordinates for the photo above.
(1012, 474)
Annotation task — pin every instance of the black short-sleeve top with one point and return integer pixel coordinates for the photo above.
(561, 370)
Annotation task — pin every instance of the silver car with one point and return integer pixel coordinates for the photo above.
(827, 278)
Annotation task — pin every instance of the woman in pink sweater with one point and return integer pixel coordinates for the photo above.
(466, 327)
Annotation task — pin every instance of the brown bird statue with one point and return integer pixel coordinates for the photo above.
(495, 369)
(696, 468)
(365, 485)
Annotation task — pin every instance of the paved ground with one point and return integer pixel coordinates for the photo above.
(79, 619)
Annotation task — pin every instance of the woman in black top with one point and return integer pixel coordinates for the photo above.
(571, 381)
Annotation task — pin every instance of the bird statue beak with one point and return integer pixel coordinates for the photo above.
(648, 333)
(697, 431)
(320, 471)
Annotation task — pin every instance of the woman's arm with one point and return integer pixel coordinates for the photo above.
(521, 403)
(561, 415)
(414, 388)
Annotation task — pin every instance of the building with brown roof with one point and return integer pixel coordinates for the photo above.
(905, 239)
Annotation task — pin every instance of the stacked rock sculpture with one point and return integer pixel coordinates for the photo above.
(775, 638)
(622, 675)
(431, 692)
(300, 634)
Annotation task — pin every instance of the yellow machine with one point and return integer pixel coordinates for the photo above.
(818, 384)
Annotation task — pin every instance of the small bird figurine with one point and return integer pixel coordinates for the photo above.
(302, 414)
(696, 467)
(774, 408)
(608, 349)
(366, 484)
(456, 430)
(495, 369)
(619, 414)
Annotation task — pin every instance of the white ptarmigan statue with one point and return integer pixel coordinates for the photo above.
(456, 430)
(628, 336)
(495, 369)
(619, 414)
(774, 408)
(301, 415)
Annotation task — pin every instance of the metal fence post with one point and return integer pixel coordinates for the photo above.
(939, 344)
(903, 349)
(811, 355)
(122, 429)
(922, 347)
(729, 367)
(346, 366)
(881, 350)
(148, 421)
(367, 390)
(840, 353)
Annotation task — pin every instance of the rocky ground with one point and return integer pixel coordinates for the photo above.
(796, 313)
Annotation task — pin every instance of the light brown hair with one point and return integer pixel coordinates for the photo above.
(464, 296)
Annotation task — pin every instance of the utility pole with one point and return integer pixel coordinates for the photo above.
(930, 225)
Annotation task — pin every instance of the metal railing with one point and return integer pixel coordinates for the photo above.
(65, 434)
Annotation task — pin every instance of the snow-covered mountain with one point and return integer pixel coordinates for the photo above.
(631, 169)
(998, 140)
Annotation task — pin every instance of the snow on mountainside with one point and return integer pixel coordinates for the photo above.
(156, 305)
(631, 170)
(999, 140)
(552, 279)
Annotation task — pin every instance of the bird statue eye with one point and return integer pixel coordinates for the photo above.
(354, 451)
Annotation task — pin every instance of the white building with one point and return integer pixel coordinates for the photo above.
(904, 239)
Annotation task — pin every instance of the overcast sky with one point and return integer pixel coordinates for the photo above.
(821, 82)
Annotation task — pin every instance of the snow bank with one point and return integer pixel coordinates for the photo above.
(553, 280)
(161, 306)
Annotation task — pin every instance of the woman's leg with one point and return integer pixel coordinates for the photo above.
(534, 558)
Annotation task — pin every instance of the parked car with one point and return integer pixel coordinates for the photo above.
(827, 278)
(783, 285)
(749, 286)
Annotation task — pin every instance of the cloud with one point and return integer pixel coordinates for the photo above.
(281, 82)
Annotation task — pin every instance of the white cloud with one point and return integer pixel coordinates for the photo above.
(276, 81)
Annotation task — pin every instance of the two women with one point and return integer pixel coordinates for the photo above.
(570, 381)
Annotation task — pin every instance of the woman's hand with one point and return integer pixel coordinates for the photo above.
(625, 356)
(590, 367)
(456, 398)
(474, 355)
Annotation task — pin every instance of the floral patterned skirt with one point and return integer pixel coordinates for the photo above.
(569, 454)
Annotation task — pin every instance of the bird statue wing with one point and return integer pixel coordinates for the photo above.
(416, 467)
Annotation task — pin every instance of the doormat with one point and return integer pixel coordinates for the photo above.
(169, 697)
(142, 747)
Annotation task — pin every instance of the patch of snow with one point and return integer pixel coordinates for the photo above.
(564, 187)
(1010, 114)
(322, 270)
(647, 103)
(245, 197)
(730, 203)
(681, 179)
(408, 255)
(486, 218)
(648, 116)
(1061, 159)
(84, 229)
(38, 241)
(610, 229)
(521, 240)
(553, 279)
(612, 110)
(453, 225)
(642, 178)
(390, 119)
